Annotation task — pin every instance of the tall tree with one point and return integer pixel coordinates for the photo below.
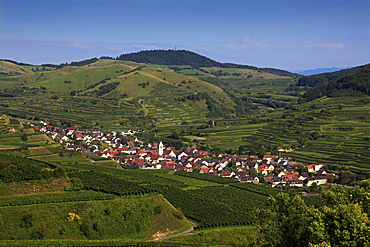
(342, 221)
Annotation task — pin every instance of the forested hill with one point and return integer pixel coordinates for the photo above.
(169, 57)
(314, 80)
(183, 57)
(355, 84)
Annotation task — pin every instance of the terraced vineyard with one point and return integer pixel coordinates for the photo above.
(221, 108)
(55, 198)
(327, 131)
(133, 94)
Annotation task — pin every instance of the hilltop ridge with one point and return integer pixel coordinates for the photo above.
(165, 57)
(184, 57)
(354, 84)
(314, 80)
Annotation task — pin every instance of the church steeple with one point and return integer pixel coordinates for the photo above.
(160, 148)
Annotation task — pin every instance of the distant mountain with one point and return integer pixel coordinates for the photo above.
(319, 71)
(314, 80)
(354, 84)
(183, 57)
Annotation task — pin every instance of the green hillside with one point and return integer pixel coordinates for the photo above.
(254, 91)
(113, 92)
(83, 200)
(97, 202)
(314, 80)
(14, 135)
(63, 197)
(330, 131)
(8, 68)
(354, 84)
(68, 78)
(39, 200)
(83, 95)
(124, 218)
(184, 57)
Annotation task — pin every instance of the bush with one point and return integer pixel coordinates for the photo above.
(40, 233)
(27, 221)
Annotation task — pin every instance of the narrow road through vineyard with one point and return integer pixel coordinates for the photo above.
(184, 233)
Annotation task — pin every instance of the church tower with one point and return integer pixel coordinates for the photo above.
(160, 148)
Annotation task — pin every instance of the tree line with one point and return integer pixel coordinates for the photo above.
(184, 57)
(16, 168)
(355, 84)
(314, 80)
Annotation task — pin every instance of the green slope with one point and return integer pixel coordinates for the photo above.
(184, 57)
(314, 80)
(114, 92)
(354, 84)
(330, 131)
(128, 93)
(8, 68)
(121, 218)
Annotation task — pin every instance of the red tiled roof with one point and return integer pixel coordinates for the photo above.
(270, 156)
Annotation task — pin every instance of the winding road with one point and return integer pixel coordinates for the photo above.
(184, 233)
(146, 111)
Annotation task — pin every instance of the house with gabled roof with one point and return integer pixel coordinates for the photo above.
(319, 180)
(265, 169)
(317, 167)
(188, 169)
(285, 172)
(250, 179)
(206, 170)
(168, 165)
(267, 179)
(139, 163)
(293, 164)
(182, 155)
(243, 157)
(141, 152)
(269, 158)
(296, 183)
(310, 168)
(277, 181)
(63, 138)
(226, 173)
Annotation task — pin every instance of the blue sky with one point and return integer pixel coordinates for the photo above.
(285, 34)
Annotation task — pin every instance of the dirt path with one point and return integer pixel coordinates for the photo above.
(146, 111)
(184, 233)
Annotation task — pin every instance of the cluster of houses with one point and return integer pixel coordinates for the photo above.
(274, 170)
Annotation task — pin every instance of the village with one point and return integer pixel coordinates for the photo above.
(271, 170)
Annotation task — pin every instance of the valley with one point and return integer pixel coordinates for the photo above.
(123, 151)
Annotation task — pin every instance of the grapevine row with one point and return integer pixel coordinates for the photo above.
(54, 198)
(207, 177)
(109, 184)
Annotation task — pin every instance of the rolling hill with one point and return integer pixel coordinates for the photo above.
(184, 57)
(83, 201)
(355, 84)
(216, 108)
(314, 80)
(9, 68)
(127, 93)
(127, 88)
(319, 71)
